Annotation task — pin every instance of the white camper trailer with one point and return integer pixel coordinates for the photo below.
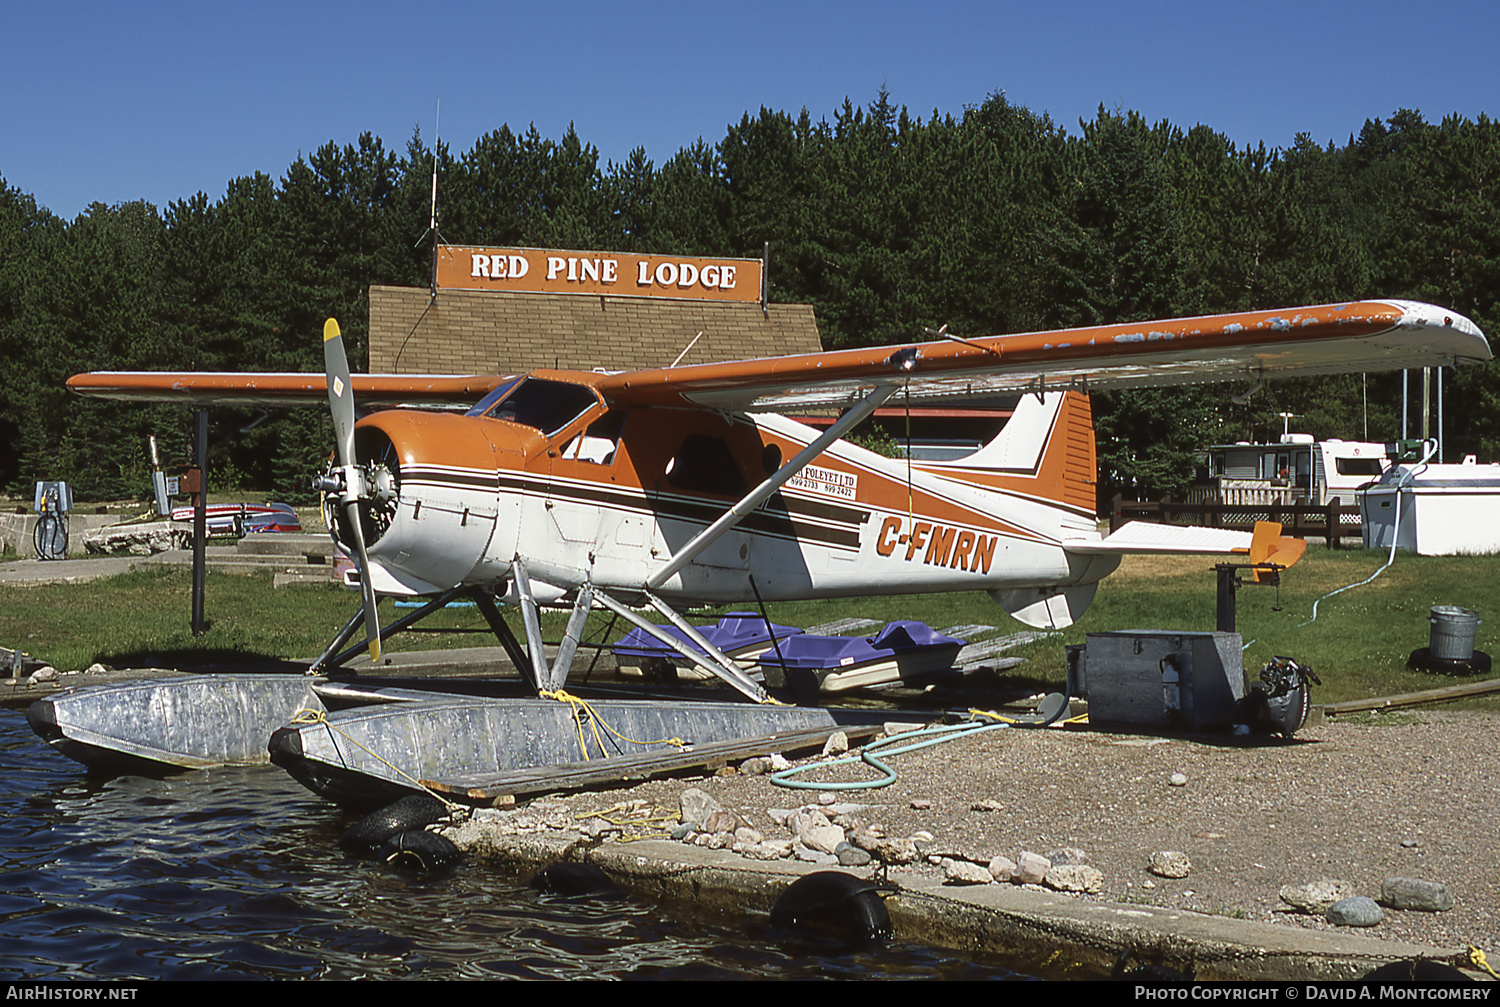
(1295, 469)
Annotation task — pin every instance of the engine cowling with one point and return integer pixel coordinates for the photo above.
(430, 501)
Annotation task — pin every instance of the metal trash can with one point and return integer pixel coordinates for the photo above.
(1453, 632)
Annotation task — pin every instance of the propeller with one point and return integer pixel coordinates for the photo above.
(349, 483)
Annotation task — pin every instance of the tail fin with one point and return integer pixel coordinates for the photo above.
(1046, 450)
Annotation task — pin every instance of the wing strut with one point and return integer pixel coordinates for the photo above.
(709, 659)
(761, 493)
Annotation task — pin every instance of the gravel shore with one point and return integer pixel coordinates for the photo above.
(1361, 799)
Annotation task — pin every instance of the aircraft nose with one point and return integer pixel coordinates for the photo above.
(378, 476)
(429, 496)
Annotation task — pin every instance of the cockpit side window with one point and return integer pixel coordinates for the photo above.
(544, 405)
(597, 444)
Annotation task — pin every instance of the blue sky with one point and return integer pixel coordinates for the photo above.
(111, 102)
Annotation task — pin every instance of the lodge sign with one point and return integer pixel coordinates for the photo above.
(555, 271)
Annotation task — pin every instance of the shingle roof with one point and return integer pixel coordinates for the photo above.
(491, 332)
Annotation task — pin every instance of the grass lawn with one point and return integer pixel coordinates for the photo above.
(1358, 645)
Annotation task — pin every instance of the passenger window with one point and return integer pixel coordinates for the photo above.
(705, 464)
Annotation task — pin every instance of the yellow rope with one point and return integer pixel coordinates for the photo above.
(975, 713)
(631, 816)
(1477, 957)
(581, 706)
(307, 715)
(659, 820)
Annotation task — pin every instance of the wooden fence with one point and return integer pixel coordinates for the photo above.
(1327, 521)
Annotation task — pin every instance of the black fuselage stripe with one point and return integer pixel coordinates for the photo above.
(782, 522)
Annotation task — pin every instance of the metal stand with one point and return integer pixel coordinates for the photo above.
(1229, 584)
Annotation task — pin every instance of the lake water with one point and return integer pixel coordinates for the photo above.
(234, 874)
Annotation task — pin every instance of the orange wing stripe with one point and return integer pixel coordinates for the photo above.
(276, 388)
(1330, 338)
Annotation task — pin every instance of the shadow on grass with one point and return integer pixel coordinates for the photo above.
(220, 660)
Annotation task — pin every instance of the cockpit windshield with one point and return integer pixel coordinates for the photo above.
(543, 405)
(483, 405)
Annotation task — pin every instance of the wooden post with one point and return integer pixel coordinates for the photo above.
(1335, 523)
(200, 521)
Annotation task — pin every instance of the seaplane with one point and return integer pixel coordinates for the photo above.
(662, 488)
(686, 485)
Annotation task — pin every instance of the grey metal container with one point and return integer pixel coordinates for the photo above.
(1453, 632)
(1164, 679)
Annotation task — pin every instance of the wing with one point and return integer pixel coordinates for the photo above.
(1252, 346)
(1259, 345)
(281, 389)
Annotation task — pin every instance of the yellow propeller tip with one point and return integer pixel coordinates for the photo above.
(330, 330)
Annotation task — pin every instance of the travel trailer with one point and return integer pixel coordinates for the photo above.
(1295, 469)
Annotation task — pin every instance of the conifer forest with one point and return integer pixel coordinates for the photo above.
(991, 221)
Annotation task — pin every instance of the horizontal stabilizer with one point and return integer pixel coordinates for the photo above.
(1270, 550)
(1144, 537)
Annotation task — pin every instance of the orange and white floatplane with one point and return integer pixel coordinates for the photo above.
(685, 485)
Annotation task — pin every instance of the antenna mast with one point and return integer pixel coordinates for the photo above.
(432, 216)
